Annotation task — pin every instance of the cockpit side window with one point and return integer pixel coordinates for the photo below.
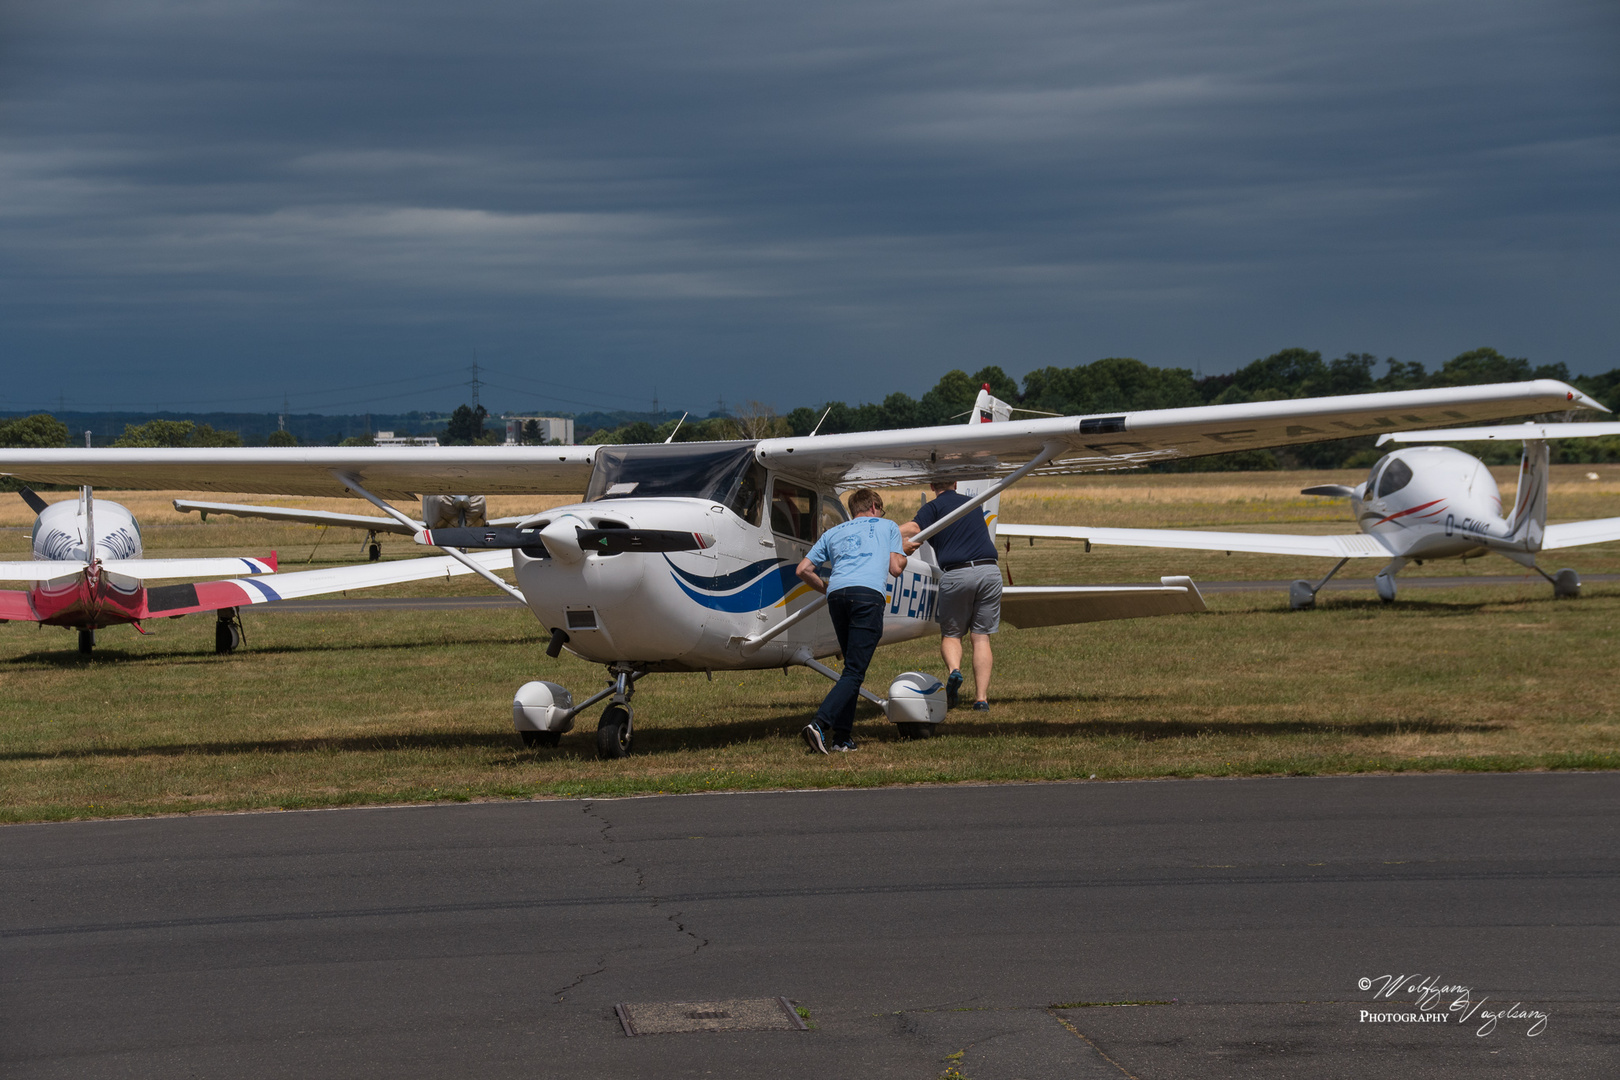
(832, 512)
(1396, 476)
(793, 510)
(749, 498)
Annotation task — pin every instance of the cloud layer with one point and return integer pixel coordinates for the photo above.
(227, 201)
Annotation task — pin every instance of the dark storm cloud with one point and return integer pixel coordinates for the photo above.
(201, 201)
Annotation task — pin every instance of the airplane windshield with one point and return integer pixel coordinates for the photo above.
(690, 470)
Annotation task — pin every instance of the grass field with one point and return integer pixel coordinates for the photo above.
(344, 708)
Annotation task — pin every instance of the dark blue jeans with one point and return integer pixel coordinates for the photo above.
(857, 617)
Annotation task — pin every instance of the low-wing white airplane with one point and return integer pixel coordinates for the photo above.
(681, 556)
(1419, 503)
(88, 572)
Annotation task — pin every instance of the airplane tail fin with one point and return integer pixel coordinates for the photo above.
(89, 527)
(987, 409)
(35, 503)
(1527, 525)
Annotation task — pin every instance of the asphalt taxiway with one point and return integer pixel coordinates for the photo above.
(1155, 929)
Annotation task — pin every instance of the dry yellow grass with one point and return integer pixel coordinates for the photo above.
(325, 709)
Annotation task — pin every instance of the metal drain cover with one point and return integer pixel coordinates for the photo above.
(744, 1014)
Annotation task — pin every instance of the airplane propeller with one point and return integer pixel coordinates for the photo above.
(599, 541)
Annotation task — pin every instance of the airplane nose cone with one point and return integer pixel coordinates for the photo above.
(562, 540)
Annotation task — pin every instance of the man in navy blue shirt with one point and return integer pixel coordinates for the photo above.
(864, 552)
(969, 589)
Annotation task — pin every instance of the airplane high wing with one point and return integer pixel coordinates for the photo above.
(874, 458)
(391, 472)
(1125, 440)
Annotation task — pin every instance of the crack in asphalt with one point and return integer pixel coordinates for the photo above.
(653, 900)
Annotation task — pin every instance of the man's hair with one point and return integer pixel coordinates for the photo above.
(943, 485)
(863, 499)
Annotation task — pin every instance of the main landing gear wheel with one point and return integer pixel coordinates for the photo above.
(87, 641)
(613, 733)
(916, 731)
(536, 739)
(374, 552)
(227, 631)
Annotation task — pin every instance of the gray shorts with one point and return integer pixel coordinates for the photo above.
(970, 600)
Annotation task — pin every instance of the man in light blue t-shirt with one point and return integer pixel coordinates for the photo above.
(864, 552)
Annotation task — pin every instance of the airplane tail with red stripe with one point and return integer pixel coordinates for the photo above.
(1527, 525)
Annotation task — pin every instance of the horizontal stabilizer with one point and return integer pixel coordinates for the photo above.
(1341, 546)
(1061, 605)
(1594, 429)
(43, 569)
(142, 569)
(1576, 533)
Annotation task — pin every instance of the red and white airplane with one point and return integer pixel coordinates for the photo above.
(88, 572)
(1417, 503)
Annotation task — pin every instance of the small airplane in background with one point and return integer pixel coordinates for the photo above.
(1419, 503)
(681, 557)
(438, 512)
(88, 573)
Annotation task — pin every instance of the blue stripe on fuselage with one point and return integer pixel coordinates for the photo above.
(764, 583)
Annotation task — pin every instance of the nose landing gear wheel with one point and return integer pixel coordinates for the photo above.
(534, 739)
(613, 733)
(374, 552)
(87, 641)
(916, 731)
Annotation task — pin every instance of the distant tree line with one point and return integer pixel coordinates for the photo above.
(1121, 384)
(1115, 384)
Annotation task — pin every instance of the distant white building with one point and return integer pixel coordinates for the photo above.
(551, 427)
(388, 438)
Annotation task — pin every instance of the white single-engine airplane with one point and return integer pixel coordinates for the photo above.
(1419, 503)
(681, 556)
(88, 572)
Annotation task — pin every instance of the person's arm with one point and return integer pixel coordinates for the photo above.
(916, 525)
(807, 574)
(897, 552)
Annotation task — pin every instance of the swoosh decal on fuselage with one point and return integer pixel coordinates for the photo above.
(762, 584)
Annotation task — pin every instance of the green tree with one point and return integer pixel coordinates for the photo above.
(466, 426)
(41, 431)
(281, 438)
(1114, 384)
(175, 433)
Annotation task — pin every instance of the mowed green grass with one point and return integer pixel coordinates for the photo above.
(323, 709)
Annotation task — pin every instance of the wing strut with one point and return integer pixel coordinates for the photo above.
(461, 557)
(751, 645)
